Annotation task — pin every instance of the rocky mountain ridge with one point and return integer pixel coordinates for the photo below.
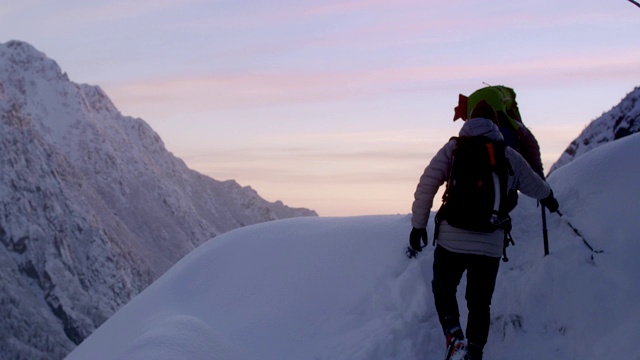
(622, 120)
(93, 207)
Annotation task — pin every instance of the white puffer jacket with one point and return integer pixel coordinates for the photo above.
(437, 173)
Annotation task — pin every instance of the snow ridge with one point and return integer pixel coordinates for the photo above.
(343, 289)
(93, 207)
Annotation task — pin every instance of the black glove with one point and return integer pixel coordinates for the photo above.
(415, 236)
(550, 203)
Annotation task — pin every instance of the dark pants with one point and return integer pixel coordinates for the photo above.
(448, 268)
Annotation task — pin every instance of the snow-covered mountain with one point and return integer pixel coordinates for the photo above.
(93, 208)
(342, 288)
(622, 120)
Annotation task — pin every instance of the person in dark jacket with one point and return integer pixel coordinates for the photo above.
(460, 250)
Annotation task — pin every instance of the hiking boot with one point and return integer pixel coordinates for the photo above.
(454, 332)
(456, 344)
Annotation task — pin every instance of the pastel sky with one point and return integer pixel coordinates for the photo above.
(336, 106)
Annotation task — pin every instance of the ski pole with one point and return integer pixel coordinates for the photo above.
(545, 234)
(578, 233)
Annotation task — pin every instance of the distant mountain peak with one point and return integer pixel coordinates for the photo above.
(93, 207)
(25, 58)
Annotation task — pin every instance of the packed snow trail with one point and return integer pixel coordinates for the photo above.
(343, 288)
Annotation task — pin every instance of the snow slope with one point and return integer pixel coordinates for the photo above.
(342, 288)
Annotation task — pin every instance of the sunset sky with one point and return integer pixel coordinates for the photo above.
(334, 105)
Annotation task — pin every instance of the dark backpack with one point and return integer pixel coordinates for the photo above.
(476, 195)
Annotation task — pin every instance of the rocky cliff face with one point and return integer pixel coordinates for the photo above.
(93, 207)
(622, 120)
